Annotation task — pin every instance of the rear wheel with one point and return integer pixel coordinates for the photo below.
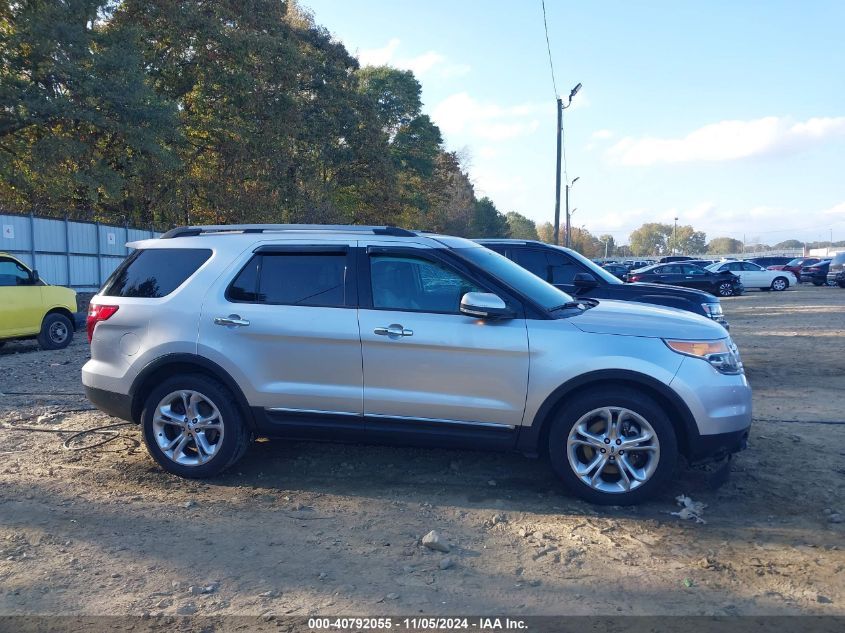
(613, 447)
(818, 283)
(780, 283)
(725, 289)
(56, 332)
(841, 284)
(192, 426)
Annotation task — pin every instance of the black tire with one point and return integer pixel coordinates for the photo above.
(235, 438)
(623, 397)
(818, 283)
(56, 332)
(841, 284)
(779, 284)
(725, 289)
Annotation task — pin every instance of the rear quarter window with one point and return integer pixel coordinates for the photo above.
(154, 272)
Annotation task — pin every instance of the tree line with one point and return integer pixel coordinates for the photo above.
(160, 113)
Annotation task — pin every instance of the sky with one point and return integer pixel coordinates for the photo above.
(729, 116)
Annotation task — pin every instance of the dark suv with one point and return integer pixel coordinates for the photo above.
(836, 271)
(578, 276)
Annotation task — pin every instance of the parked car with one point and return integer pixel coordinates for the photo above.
(617, 270)
(815, 273)
(765, 262)
(569, 271)
(836, 270)
(794, 266)
(674, 258)
(31, 308)
(688, 276)
(754, 276)
(210, 336)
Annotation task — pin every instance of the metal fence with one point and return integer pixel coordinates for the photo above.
(80, 255)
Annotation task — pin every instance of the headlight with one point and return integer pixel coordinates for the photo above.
(722, 354)
(713, 310)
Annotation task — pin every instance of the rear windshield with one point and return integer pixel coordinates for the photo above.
(154, 272)
(838, 260)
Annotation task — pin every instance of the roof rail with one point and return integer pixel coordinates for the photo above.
(192, 231)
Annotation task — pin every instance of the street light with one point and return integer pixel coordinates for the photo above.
(675, 237)
(560, 109)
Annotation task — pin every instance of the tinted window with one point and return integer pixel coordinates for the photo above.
(154, 272)
(515, 276)
(412, 283)
(533, 260)
(672, 270)
(296, 279)
(12, 273)
(563, 269)
(693, 270)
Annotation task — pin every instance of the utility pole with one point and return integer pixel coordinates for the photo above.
(557, 171)
(560, 109)
(569, 213)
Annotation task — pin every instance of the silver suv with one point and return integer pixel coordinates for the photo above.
(211, 336)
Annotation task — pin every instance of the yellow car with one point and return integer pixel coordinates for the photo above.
(30, 308)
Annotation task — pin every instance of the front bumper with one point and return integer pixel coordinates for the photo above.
(720, 405)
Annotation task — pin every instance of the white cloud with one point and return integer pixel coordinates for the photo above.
(419, 65)
(378, 56)
(838, 209)
(728, 140)
(602, 134)
(460, 113)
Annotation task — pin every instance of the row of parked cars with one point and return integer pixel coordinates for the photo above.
(731, 277)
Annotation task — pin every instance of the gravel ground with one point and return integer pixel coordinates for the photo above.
(306, 528)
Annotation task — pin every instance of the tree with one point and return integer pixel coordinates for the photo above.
(546, 232)
(520, 227)
(724, 246)
(789, 244)
(488, 221)
(686, 241)
(585, 242)
(396, 94)
(608, 244)
(650, 239)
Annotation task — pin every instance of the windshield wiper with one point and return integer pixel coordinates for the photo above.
(583, 304)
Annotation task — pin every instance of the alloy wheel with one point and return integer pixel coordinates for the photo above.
(188, 427)
(613, 450)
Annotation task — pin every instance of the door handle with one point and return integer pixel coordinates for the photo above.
(394, 330)
(231, 320)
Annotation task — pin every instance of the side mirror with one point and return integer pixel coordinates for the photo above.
(584, 280)
(484, 305)
(35, 277)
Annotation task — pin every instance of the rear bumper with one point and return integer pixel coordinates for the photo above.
(117, 405)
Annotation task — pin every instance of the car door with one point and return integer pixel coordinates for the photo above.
(754, 276)
(286, 328)
(422, 358)
(20, 300)
(671, 274)
(696, 277)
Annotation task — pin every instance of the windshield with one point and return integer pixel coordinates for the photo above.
(795, 262)
(594, 268)
(515, 276)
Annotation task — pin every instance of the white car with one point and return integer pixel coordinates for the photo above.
(754, 276)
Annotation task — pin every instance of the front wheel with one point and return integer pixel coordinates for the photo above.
(192, 426)
(615, 446)
(725, 289)
(779, 284)
(56, 332)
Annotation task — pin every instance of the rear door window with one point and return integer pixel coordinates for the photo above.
(533, 260)
(154, 272)
(294, 279)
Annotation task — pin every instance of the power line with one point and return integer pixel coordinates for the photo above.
(549, 48)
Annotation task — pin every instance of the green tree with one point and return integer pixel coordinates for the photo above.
(488, 221)
(687, 241)
(724, 245)
(396, 94)
(546, 232)
(520, 227)
(650, 239)
(789, 244)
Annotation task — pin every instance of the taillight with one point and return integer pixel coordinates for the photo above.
(633, 277)
(97, 313)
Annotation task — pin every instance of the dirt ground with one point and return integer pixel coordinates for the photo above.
(306, 528)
